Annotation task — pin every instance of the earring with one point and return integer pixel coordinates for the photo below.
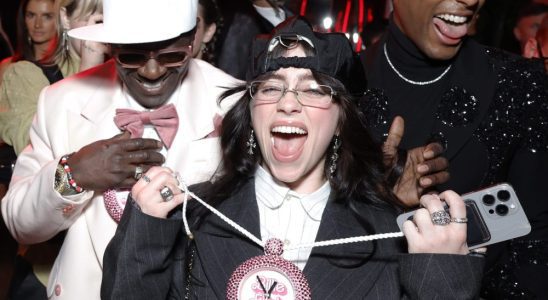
(334, 155)
(65, 41)
(29, 39)
(251, 143)
(203, 48)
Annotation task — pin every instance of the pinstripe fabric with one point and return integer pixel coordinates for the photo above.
(145, 259)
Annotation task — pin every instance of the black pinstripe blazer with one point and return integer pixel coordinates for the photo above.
(146, 258)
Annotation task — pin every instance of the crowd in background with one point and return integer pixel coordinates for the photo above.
(37, 52)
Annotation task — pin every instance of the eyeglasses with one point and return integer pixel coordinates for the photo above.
(133, 59)
(307, 93)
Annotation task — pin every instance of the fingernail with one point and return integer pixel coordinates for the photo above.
(422, 168)
(428, 154)
(425, 181)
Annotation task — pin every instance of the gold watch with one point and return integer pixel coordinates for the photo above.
(62, 185)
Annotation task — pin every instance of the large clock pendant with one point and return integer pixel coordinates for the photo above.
(268, 276)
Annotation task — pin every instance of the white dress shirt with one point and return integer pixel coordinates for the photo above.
(289, 216)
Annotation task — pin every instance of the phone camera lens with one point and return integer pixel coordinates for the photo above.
(501, 209)
(503, 195)
(489, 199)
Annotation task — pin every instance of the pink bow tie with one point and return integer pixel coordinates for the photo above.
(164, 119)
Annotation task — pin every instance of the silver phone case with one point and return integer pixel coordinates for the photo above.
(486, 224)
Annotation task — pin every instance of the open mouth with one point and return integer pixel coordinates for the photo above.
(288, 142)
(153, 86)
(451, 27)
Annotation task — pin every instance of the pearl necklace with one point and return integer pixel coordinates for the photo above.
(409, 80)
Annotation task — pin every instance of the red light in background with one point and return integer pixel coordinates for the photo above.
(346, 15)
(303, 7)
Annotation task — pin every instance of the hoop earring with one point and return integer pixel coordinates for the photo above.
(334, 156)
(251, 144)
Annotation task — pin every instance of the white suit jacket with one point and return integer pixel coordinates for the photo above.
(74, 113)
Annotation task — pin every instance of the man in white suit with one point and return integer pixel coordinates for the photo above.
(76, 173)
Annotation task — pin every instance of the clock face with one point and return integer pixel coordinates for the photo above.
(267, 277)
(266, 283)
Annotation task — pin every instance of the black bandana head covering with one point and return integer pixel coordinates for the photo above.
(333, 54)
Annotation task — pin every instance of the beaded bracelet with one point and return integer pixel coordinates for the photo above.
(64, 162)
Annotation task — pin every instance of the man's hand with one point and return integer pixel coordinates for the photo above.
(424, 167)
(111, 163)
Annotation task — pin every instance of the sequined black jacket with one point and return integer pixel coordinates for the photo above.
(491, 112)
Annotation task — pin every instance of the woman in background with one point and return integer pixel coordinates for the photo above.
(209, 23)
(23, 79)
(36, 32)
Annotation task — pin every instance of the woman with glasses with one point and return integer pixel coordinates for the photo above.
(300, 175)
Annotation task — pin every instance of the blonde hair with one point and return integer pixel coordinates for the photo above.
(84, 8)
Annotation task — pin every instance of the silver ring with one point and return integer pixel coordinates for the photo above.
(459, 220)
(166, 193)
(440, 217)
(138, 173)
(146, 179)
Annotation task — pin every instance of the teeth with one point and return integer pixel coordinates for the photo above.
(453, 18)
(152, 86)
(288, 130)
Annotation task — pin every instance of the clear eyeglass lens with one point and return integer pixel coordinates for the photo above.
(308, 93)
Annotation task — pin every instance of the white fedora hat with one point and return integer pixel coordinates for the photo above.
(140, 21)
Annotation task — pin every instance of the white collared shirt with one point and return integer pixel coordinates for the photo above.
(289, 216)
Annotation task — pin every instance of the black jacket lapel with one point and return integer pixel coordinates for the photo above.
(221, 248)
(354, 267)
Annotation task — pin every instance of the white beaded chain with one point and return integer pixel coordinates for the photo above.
(409, 80)
(248, 234)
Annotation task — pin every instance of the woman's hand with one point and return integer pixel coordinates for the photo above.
(92, 53)
(147, 192)
(423, 236)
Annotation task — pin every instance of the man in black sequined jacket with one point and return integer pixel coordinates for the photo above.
(488, 107)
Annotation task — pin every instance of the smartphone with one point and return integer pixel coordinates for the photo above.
(494, 215)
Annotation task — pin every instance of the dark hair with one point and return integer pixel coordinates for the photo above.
(532, 9)
(360, 171)
(25, 50)
(212, 14)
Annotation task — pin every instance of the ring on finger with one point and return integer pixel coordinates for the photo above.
(138, 173)
(146, 179)
(440, 217)
(459, 220)
(166, 193)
